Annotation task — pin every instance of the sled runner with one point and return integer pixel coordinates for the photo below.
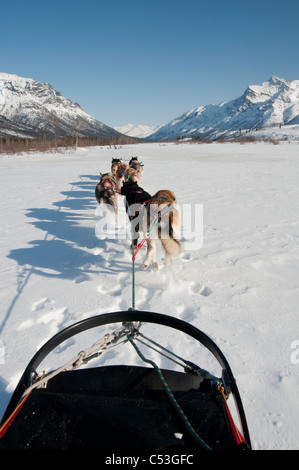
(129, 407)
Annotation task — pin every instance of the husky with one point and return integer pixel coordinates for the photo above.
(132, 175)
(106, 191)
(135, 170)
(158, 209)
(118, 170)
(135, 198)
(114, 166)
(161, 207)
(120, 175)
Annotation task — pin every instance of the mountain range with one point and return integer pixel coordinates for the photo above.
(30, 109)
(273, 103)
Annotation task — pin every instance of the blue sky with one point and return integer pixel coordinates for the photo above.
(147, 62)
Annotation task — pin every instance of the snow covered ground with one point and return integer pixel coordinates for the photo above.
(240, 285)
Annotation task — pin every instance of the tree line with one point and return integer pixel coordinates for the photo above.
(12, 145)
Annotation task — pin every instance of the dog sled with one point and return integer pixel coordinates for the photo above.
(107, 406)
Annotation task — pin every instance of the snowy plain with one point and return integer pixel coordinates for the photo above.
(240, 285)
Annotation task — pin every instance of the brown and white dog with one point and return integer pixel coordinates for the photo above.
(158, 218)
(161, 206)
(134, 171)
(120, 175)
(118, 170)
(114, 166)
(106, 191)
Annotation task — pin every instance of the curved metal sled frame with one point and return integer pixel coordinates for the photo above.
(129, 316)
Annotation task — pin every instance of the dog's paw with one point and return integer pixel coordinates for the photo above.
(144, 266)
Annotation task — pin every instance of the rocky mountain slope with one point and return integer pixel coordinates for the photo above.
(274, 103)
(31, 109)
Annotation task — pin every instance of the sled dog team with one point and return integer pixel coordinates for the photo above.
(154, 215)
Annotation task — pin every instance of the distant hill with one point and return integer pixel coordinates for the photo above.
(139, 131)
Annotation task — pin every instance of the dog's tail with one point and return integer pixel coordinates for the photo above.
(171, 246)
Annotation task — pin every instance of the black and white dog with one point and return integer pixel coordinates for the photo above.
(136, 199)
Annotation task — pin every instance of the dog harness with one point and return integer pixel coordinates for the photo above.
(111, 182)
(156, 219)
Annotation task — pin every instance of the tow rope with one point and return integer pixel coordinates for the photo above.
(170, 395)
(154, 222)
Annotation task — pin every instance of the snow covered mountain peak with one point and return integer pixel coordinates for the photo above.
(29, 108)
(273, 87)
(274, 102)
(139, 131)
(280, 82)
(14, 87)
